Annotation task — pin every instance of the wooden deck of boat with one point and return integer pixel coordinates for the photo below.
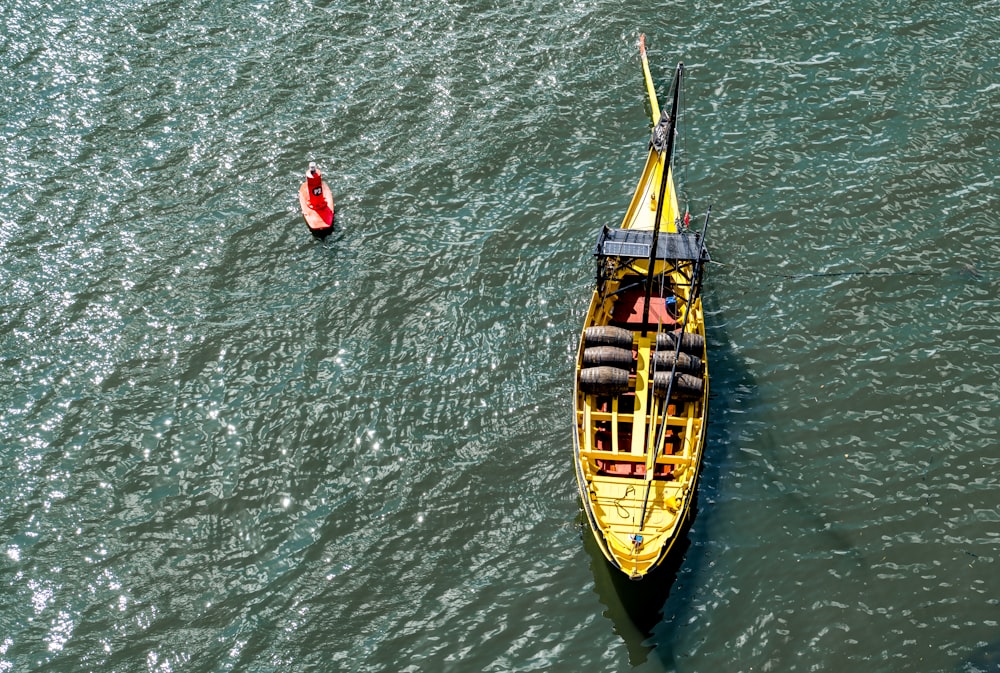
(629, 308)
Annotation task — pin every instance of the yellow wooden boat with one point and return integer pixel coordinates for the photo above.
(641, 393)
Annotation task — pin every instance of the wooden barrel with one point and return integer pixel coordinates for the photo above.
(664, 361)
(686, 386)
(607, 335)
(610, 356)
(690, 342)
(603, 380)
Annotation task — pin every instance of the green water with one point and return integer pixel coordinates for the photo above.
(227, 446)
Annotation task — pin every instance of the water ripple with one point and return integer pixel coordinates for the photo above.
(230, 447)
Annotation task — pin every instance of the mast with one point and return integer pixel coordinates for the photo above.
(665, 146)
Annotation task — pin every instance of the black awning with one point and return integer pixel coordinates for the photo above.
(635, 244)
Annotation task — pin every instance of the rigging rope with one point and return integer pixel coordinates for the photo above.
(794, 276)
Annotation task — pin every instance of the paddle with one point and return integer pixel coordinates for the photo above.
(650, 89)
(695, 289)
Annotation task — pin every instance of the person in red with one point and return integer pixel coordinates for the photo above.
(316, 201)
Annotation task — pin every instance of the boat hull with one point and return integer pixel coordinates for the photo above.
(320, 222)
(642, 384)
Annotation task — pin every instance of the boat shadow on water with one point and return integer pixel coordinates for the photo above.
(635, 608)
(646, 614)
(984, 660)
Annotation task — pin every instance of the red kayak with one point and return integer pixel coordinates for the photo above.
(316, 201)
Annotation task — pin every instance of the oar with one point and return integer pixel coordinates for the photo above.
(695, 289)
(650, 89)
